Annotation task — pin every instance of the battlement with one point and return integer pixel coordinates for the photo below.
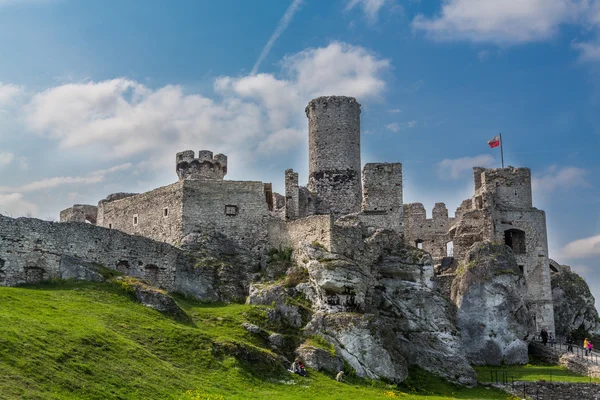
(205, 166)
(508, 187)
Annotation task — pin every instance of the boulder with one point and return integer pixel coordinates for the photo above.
(489, 292)
(276, 296)
(320, 359)
(157, 299)
(574, 305)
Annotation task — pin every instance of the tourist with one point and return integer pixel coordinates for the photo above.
(590, 348)
(551, 340)
(585, 346)
(544, 336)
(570, 343)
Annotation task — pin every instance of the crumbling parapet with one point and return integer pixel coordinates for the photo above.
(205, 166)
(80, 213)
(509, 187)
(334, 154)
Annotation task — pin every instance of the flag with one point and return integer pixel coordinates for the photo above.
(494, 142)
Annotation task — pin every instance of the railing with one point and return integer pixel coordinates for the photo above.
(560, 346)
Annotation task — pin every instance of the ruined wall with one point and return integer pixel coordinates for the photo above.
(80, 213)
(33, 250)
(432, 233)
(305, 231)
(156, 214)
(382, 196)
(292, 194)
(205, 166)
(532, 256)
(237, 209)
(511, 187)
(334, 154)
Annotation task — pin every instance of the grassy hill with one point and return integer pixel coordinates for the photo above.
(92, 341)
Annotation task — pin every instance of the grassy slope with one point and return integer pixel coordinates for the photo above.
(91, 341)
(533, 373)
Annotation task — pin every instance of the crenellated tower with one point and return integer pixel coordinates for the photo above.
(206, 166)
(334, 154)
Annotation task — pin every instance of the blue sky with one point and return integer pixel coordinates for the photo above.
(97, 96)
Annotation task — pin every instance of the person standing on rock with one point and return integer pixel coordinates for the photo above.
(585, 346)
(590, 348)
(544, 336)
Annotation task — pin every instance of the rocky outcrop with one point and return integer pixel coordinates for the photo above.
(490, 291)
(276, 295)
(574, 305)
(364, 341)
(320, 359)
(154, 298)
(380, 313)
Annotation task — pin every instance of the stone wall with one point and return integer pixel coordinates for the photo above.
(431, 233)
(305, 231)
(80, 213)
(334, 154)
(236, 209)
(33, 250)
(291, 194)
(554, 390)
(382, 196)
(156, 214)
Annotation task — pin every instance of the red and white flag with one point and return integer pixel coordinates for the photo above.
(494, 142)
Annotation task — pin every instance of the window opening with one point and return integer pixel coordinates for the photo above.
(515, 239)
(419, 243)
(231, 210)
(450, 249)
(135, 220)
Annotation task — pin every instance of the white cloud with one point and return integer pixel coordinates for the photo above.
(50, 183)
(582, 248)
(8, 93)
(371, 8)
(394, 110)
(6, 159)
(394, 127)
(253, 113)
(554, 178)
(281, 26)
(588, 51)
(454, 168)
(13, 204)
(397, 126)
(503, 22)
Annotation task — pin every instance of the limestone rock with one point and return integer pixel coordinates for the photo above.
(275, 295)
(159, 300)
(251, 328)
(423, 320)
(490, 292)
(573, 304)
(276, 339)
(339, 284)
(320, 359)
(367, 344)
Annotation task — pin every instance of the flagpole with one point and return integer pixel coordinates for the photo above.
(502, 150)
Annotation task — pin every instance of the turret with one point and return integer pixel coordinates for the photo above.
(334, 154)
(206, 166)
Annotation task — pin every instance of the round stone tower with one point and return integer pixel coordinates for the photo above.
(334, 154)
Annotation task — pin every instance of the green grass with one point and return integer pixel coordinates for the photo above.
(92, 341)
(532, 373)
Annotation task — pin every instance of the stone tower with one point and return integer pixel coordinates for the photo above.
(334, 154)
(206, 166)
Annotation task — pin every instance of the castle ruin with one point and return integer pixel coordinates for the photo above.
(339, 206)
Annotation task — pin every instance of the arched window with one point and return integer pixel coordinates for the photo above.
(515, 239)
